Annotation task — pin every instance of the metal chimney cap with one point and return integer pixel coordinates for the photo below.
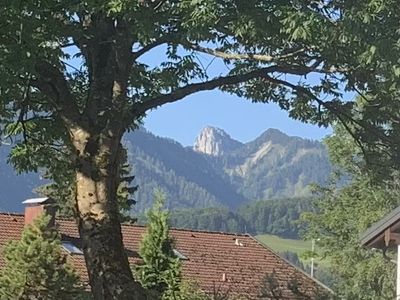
(36, 200)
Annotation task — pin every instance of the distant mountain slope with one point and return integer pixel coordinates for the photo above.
(14, 188)
(217, 171)
(274, 165)
(189, 178)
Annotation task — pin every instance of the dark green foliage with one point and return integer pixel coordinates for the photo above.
(321, 272)
(215, 219)
(62, 190)
(278, 217)
(36, 268)
(273, 289)
(161, 269)
(343, 214)
(369, 29)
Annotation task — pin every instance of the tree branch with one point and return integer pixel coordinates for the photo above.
(51, 82)
(178, 94)
(239, 56)
(147, 48)
(268, 58)
(339, 113)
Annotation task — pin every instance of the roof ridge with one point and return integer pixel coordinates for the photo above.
(210, 231)
(61, 218)
(190, 230)
(143, 226)
(14, 214)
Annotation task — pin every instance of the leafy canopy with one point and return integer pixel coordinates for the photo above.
(345, 209)
(51, 54)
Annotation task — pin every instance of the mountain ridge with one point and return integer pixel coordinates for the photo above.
(218, 171)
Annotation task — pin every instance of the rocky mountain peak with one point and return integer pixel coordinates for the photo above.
(215, 141)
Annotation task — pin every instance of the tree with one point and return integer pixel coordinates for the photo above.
(369, 44)
(72, 116)
(161, 269)
(62, 190)
(36, 268)
(272, 288)
(345, 209)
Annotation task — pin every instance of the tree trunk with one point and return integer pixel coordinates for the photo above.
(98, 217)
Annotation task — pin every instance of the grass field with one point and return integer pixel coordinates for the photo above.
(280, 245)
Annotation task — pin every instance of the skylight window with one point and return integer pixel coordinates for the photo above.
(179, 255)
(71, 248)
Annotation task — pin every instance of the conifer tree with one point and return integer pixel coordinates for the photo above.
(36, 268)
(161, 269)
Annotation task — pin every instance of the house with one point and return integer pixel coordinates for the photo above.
(233, 264)
(385, 234)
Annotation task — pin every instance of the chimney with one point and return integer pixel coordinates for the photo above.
(38, 206)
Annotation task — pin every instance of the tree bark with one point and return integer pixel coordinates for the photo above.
(98, 217)
(96, 141)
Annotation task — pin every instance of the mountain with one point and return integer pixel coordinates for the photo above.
(276, 165)
(216, 142)
(190, 179)
(15, 188)
(217, 171)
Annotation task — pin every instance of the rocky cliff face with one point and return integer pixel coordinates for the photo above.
(216, 142)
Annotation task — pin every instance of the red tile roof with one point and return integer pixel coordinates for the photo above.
(233, 263)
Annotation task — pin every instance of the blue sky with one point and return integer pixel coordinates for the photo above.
(243, 120)
(240, 118)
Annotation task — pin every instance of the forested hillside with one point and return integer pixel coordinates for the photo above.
(189, 179)
(276, 165)
(222, 172)
(278, 217)
(217, 172)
